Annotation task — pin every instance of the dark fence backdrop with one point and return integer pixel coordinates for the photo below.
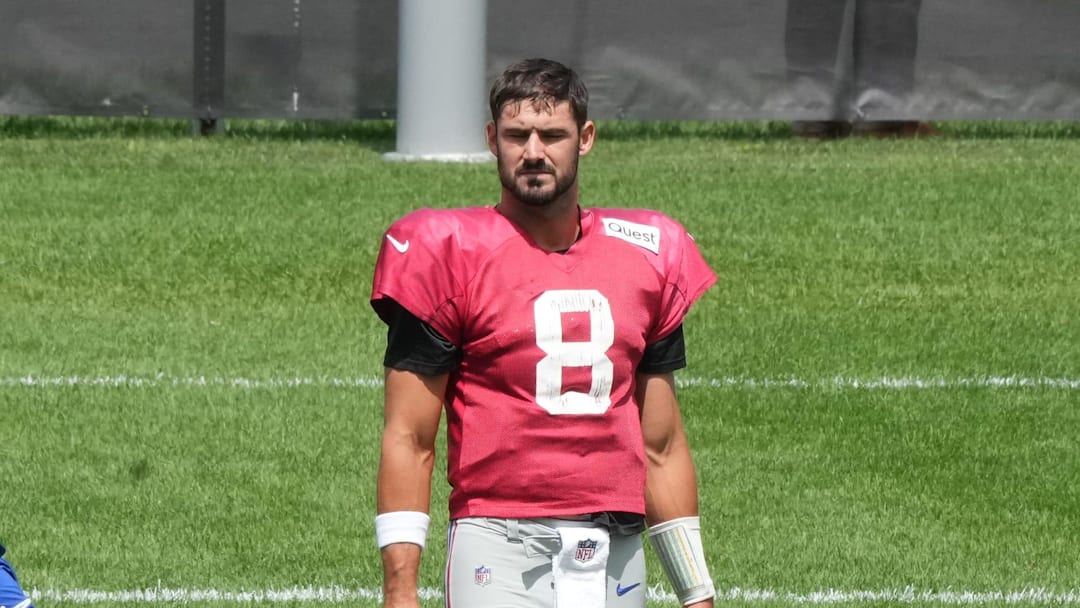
(678, 59)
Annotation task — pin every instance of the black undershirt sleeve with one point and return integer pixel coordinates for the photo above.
(666, 355)
(415, 346)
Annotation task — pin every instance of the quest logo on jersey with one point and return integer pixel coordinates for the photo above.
(641, 235)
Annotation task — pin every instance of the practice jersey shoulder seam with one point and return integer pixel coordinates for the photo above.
(447, 248)
(470, 231)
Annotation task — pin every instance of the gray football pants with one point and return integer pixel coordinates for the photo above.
(506, 563)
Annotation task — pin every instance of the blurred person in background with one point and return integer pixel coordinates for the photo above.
(11, 594)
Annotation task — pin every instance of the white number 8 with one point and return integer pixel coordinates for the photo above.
(548, 311)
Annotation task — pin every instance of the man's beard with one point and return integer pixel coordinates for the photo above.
(533, 193)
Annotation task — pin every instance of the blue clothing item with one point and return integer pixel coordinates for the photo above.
(11, 594)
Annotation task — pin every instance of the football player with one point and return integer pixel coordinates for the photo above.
(11, 594)
(549, 333)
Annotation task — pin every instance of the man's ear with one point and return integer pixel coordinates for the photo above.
(492, 132)
(588, 136)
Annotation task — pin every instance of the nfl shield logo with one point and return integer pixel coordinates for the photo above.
(482, 576)
(585, 550)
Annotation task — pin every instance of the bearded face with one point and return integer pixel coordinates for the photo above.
(538, 148)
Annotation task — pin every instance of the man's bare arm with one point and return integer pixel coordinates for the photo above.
(412, 411)
(671, 491)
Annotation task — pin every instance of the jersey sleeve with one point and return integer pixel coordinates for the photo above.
(669, 248)
(419, 267)
(687, 277)
(674, 256)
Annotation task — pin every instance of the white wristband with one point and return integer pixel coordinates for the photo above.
(678, 546)
(401, 527)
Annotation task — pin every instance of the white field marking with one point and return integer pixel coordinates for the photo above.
(161, 379)
(338, 594)
(835, 382)
(886, 382)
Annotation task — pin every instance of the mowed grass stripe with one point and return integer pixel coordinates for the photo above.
(655, 594)
(835, 382)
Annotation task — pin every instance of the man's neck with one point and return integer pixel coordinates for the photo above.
(552, 227)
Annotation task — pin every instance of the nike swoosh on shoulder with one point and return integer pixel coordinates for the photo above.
(621, 591)
(401, 247)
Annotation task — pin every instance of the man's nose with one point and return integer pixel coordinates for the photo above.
(534, 146)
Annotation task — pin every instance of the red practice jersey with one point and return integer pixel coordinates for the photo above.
(541, 415)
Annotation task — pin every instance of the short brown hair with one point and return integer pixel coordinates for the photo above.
(544, 83)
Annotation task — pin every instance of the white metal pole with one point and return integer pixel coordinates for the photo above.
(441, 82)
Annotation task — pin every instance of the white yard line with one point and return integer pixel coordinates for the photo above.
(889, 382)
(835, 382)
(158, 380)
(336, 594)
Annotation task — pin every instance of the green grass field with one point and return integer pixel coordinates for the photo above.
(883, 391)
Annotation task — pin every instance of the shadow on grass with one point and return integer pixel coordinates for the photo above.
(781, 130)
(379, 135)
